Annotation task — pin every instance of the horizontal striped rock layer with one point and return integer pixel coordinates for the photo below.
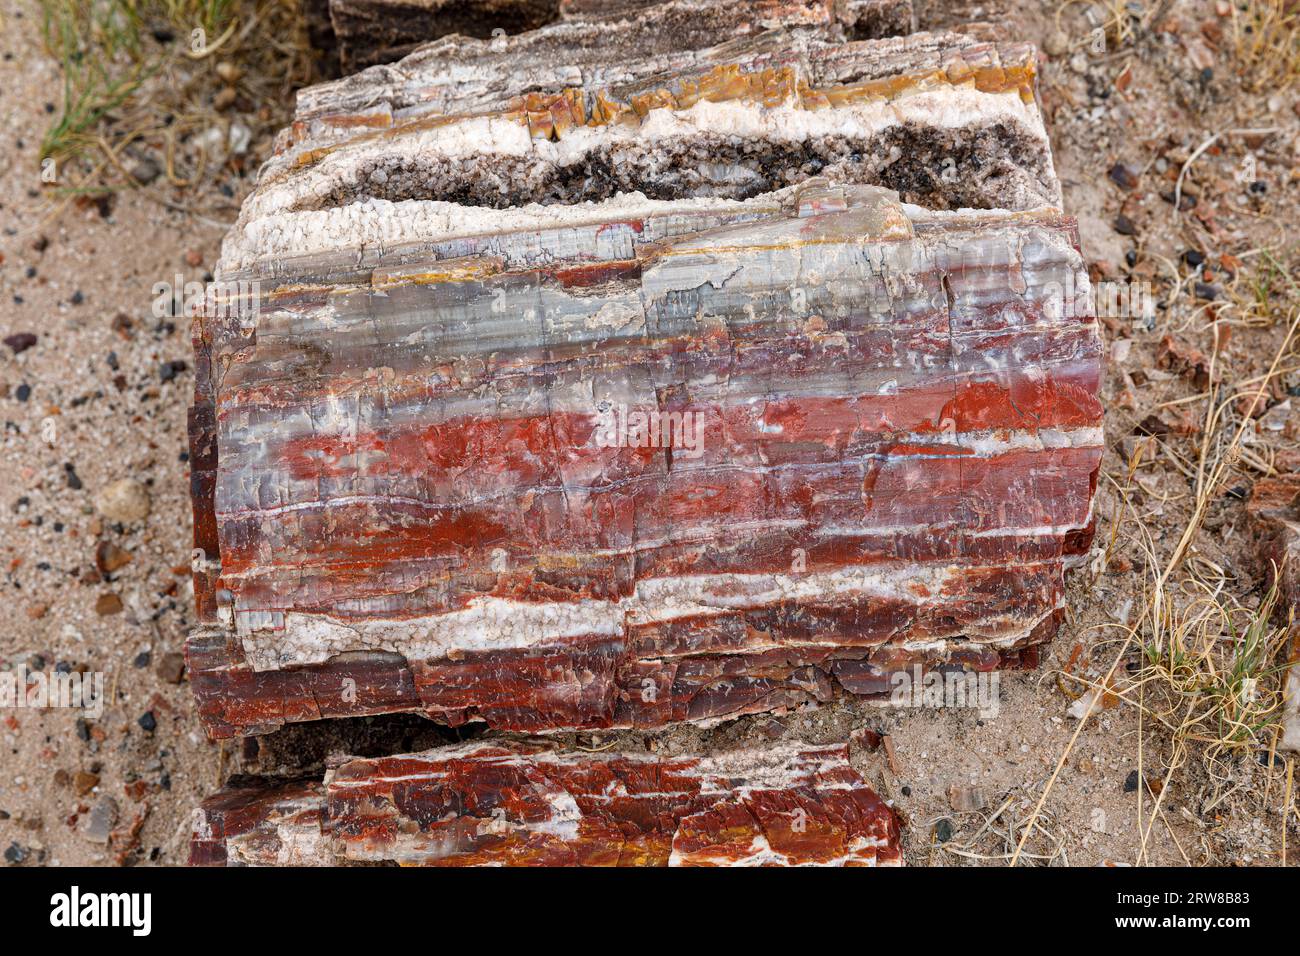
(945, 121)
(593, 43)
(596, 380)
(261, 822)
(1274, 510)
(643, 462)
(482, 804)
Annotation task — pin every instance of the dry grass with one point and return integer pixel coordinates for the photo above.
(1266, 41)
(1265, 34)
(1002, 830)
(1209, 692)
(1109, 21)
(168, 79)
(1202, 663)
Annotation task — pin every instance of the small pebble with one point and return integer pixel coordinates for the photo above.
(145, 171)
(171, 667)
(109, 557)
(124, 501)
(84, 782)
(99, 824)
(107, 604)
(1186, 200)
(16, 855)
(1123, 176)
(20, 341)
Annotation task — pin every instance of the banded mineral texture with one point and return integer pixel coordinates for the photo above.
(1274, 510)
(571, 401)
(482, 804)
(257, 822)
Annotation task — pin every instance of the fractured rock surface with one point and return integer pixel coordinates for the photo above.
(677, 386)
(483, 804)
(370, 32)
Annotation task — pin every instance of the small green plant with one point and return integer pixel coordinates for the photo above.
(152, 73)
(105, 56)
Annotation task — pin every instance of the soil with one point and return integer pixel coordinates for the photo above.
(102, 396)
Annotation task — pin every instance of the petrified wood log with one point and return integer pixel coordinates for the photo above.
(1274, 510)
(583, 408)
(371, 32)
(482, 804)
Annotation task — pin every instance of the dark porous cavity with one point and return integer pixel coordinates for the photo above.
(991, 167)
(305, 748)
(383, 32)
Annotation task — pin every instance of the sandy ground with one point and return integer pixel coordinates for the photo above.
(120, 789)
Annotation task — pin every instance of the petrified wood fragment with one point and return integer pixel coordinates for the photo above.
(876, 19)
(380, 31)
(483, 804)
(437, 473)
(585, 408)
(705, 22)
(258, 822)
(1274, 510)
(373, 32)
(946, 121)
